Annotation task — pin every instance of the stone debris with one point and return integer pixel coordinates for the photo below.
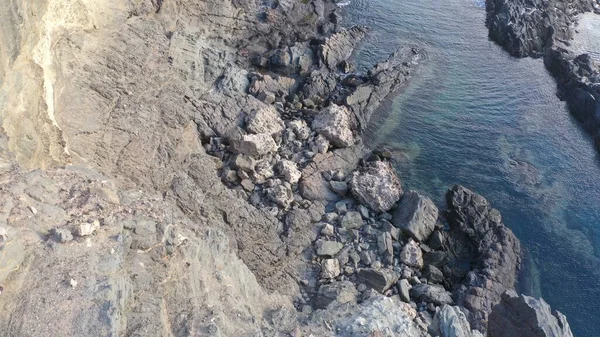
(264, 121)
(62, 235)
(330, 268)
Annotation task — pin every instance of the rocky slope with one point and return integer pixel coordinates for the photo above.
(545, 29)
(196, 168)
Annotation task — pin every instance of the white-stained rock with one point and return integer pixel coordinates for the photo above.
(330, 268)
(265, 120)
(377, 186)
(336, 123)
(289, 170)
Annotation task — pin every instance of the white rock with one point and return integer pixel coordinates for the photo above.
(330, 268)
(289, 171)
(264, 120)
(336, 124)
(88, 228)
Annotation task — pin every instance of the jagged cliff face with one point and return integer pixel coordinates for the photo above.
(131, 89)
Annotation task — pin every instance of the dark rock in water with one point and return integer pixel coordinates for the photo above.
(531, 27)
(579, 85)
(340, 292)
(377, 186)
(377, 279)
(524, 316)
(416, 215)
(431, 294)
(479, 239)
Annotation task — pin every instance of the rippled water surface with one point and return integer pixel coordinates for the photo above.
(478, 117)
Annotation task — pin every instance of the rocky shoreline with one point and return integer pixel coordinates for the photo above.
(546, 29)
(260, 211)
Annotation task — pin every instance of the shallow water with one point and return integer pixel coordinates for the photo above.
(478, 117)
(587, 39)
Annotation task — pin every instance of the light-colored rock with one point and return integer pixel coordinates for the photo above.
(412, 255)
(255, 145)
(330, 268)
(244, 162)
(416, 215)
(336, 123)
(340, 292)
(281, 195)
(322, 144)
(379, 316)
(450, 321)
(88, 228)
(300, 129)
(264, 121)
(352, 220)
(289, 170)
(328, 248)
(404, 290)
(376, 186)
(263, 170)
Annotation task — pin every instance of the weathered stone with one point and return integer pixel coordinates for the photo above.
(411, 255)
(520, 316)
(385, 247)
(477, 235)
(281, 195)
(300, 129)
(255, 145)
(328, 248)
(62, 235)
(433, 274)
(330, 268)
(88, 228)
(336, 123)
(322, 144)
(327, 230)
(431, 294)
(377, 279)
(339, 46)
(247, 185)
(416, 215)
(289, 171)
(340, 292)
(435, 258)
(263, 170)
(264, 121)
(339, 187)
(450, 321)
(378, 316)
(377, 186)
(436, 240)
(352, 220)
(404, 290)
(244, 163)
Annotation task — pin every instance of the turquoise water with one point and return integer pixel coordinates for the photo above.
(470, 115)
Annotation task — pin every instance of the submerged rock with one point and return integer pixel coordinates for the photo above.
(377, 186)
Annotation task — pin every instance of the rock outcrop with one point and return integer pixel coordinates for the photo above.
(520, 316)
(545, 29)
(479, 238)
